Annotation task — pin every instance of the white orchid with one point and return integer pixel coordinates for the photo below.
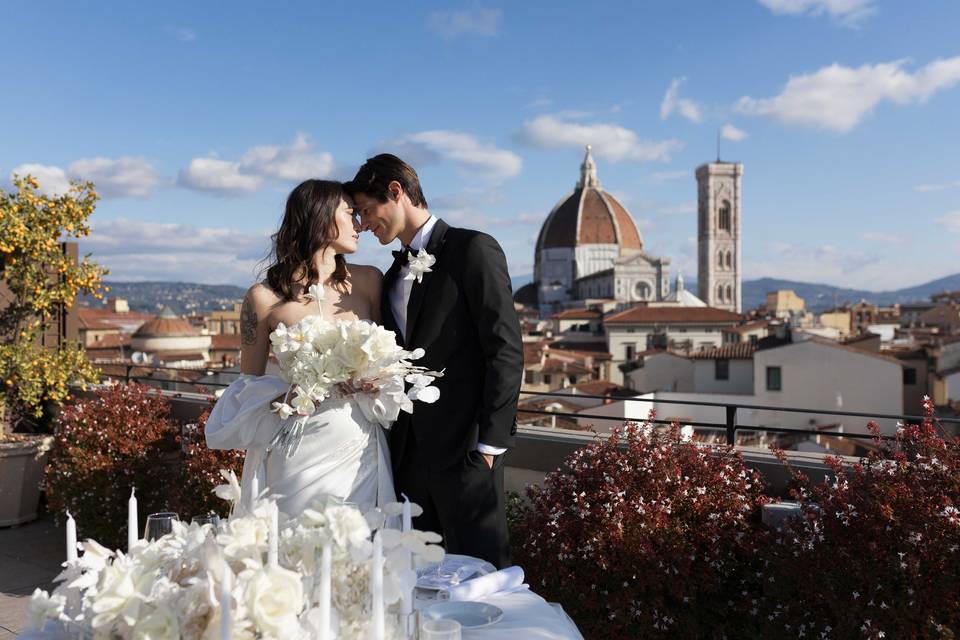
(230, 491)
(315, 292)
(419, 264)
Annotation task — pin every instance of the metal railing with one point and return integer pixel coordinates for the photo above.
(730, 426)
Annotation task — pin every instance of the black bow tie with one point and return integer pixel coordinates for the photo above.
(402, 255)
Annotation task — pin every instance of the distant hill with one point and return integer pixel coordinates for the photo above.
(186, 297)
(182, 297)
(820, 297)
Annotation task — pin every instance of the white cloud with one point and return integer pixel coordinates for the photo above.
(950, 221)
(673, 102)
(846, 12)
(293, 163)
(219, 176)
(664, 176)
(53, 180)
(924, 188)
(472, 157)
(837, 98)
(610, 141)
(140, 250)
(123, 177)
(730, 132)
(450, 25)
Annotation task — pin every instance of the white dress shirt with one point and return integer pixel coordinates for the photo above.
(400, 298)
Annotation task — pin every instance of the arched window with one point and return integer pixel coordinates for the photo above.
(729, 294)
(723, 219)
(720, 259)
(642, 291)
(720, 292)
(729, 260)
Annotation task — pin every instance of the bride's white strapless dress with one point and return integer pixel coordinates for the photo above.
(341, 454)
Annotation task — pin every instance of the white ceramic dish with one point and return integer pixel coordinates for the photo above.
(470, 615)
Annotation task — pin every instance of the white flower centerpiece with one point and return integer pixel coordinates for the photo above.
(318, 356)
(173, 587)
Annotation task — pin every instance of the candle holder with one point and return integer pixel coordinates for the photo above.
(408, 625)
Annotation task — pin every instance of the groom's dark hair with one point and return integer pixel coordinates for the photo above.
(379, 171)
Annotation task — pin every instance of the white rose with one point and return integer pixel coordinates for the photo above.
(244, 538)
(274, 597)
(119, 597)
(159, 624)
(43, 607)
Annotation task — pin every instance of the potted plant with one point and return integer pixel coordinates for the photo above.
(39, 281)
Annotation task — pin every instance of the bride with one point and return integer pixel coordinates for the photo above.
(341, 453)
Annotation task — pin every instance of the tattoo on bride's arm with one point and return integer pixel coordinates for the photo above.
(248, 323)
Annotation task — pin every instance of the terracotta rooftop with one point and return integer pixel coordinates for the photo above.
(167, 324)
(596, 355)
(589, 215)
(673, 315)
(738, 351)
(602, 388)
(577, 314)
(109, 341)
(554, 365)
(105, 318)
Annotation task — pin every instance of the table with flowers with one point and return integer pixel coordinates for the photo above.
(329, 572)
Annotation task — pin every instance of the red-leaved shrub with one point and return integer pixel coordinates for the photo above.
(121, 438)
(878, 553)
(644, 535)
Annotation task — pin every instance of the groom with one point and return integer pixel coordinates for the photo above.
(448, 456)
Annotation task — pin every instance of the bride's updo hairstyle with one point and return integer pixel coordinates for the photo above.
(309, 225)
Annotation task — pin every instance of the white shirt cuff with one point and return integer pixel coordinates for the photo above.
(490, 451)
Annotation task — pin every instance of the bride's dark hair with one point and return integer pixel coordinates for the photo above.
(309, 225)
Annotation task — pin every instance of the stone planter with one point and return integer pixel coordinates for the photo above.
(21, 470)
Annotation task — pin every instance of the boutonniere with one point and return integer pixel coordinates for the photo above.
(419, 264)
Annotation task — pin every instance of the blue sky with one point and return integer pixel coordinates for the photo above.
(196, 119)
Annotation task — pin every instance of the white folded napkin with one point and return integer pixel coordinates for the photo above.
(503, 580)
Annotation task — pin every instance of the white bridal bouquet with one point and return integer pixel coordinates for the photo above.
(317, 356)
(180, 585)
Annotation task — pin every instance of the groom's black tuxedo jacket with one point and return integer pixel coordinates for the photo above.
(462, 315)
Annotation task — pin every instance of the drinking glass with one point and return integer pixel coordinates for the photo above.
(443, 629)
(211, 519)
(159, 524)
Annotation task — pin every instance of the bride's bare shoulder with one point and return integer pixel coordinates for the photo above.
(261, 296)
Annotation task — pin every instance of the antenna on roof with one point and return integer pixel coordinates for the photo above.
(718, 145)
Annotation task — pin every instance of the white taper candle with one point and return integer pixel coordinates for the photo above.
(376, 588)
(133, 533)
(71, 538)
(273, 539)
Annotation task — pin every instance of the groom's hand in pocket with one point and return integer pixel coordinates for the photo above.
(489, 458)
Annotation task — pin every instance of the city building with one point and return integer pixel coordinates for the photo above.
(683, 329)
(718, 234)
(590, 247)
